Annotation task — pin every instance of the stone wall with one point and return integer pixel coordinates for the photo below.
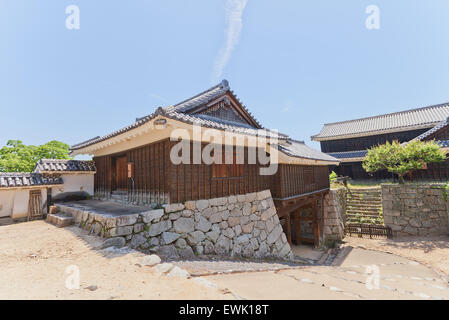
(333, 217)
(242, 225)
(412, 210)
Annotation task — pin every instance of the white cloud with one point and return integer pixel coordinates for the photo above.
(158, 97)
(234, 12)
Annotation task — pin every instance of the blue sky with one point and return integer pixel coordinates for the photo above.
(296, 66)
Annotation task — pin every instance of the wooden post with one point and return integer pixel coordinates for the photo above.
(298, 226)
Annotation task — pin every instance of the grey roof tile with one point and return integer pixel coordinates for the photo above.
(348, 154)
(426, 134)
(299, 149)
(59, 165)
(21, 179)
(420, 117)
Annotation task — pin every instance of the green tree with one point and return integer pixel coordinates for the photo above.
(400, 159)
(17, 157)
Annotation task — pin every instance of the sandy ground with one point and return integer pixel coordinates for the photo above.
(431, 251)
(34, 257)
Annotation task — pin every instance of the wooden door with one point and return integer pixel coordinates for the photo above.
(121, 173)
(35, 205)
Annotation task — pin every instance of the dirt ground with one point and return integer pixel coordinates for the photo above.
(34, 257)
(37, 260)
(430, 251)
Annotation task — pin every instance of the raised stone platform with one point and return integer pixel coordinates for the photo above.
(242, 225)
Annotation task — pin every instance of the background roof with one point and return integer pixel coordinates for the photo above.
(398, 121)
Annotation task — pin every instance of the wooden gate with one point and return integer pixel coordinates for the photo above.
(120, 174)
(35, 205)
(362, 230)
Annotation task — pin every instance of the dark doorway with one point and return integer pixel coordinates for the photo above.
(304, 227)
(119, 173)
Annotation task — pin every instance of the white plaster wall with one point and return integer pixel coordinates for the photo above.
(75, 183)
(6, 203)
(21, 198)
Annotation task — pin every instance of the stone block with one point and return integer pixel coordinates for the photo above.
(202, 204)
(203, 224)
(174, 207)
(169, 237)
(262, 195)
(184, 225)
(158, 228)
(151, 215)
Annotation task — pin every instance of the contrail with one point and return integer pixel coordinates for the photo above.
(234, 12)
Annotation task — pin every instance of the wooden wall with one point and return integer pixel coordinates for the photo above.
(195, 181)
(292, 180)
(363, 143)
(150, 173)
(158, 180)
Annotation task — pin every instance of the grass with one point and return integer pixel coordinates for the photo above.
(367, 184)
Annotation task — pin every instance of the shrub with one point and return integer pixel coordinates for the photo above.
(333, 177)
(402, 159)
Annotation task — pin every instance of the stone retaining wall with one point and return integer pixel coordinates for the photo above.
(242, 225)
(333, 217)
(412, 210)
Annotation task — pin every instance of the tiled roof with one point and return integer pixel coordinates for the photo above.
(201, 120)
(180, 112)
(443, 143)
(19, 179)
(439, 126)
(348, 154)
(299, 149)
(177, 112)
(201, 98)
(58, 165)
(414, 118)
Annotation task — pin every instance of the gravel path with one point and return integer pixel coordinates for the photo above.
(431, 251)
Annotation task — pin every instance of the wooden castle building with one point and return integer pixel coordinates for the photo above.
(135, 162)
(349, 140)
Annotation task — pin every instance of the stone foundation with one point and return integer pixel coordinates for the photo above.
(415, 210)
(333, 217)
(242, 225)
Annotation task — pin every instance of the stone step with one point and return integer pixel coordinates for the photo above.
(375, 200)
(118, 196)
(60, 219)
(373, 195)
(363, 206)
(362, 213)
(363, 210)
(365, 190)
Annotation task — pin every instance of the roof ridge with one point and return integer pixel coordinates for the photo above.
(391, 113)
(224, 83)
